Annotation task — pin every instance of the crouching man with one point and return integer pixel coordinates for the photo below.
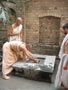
(11, 52)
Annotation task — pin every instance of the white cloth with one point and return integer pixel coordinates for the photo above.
(16, 30)
(62, 45)
(9, 58)
(15, 42)
(62, 75)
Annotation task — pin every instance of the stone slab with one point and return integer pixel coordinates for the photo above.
(46, 63)
(37, 71)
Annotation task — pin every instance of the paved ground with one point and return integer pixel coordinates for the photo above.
(18, 83)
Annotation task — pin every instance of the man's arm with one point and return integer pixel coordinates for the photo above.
(66, 47)
(66, 66)
(21, 34)
(10, 33)
(29, 54)
(66, 52)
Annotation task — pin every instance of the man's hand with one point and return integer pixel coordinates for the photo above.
(36, 60)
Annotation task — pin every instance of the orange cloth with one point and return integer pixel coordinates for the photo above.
(10, 55)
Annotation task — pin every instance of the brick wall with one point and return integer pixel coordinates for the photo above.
(42, 24)
(40, 19)
(49, 28)
(35, 9)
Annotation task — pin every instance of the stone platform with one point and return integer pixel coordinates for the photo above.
(44, 68)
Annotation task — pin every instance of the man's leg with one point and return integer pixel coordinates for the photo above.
(8, 60)
(4, 62)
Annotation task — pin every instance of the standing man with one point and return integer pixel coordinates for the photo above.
(62, 73)
(15, 31)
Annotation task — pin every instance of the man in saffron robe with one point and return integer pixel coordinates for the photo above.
(11, 52)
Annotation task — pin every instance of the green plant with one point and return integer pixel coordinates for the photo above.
(6, 10)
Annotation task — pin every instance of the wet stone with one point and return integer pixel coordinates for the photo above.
(33, 70)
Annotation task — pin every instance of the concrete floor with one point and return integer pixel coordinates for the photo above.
(19, 83)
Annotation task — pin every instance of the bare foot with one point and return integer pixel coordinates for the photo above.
(5, 77)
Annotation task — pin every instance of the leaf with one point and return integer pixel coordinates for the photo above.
(13, 12)
(4, 16)
(6, 11)
(8, 3)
